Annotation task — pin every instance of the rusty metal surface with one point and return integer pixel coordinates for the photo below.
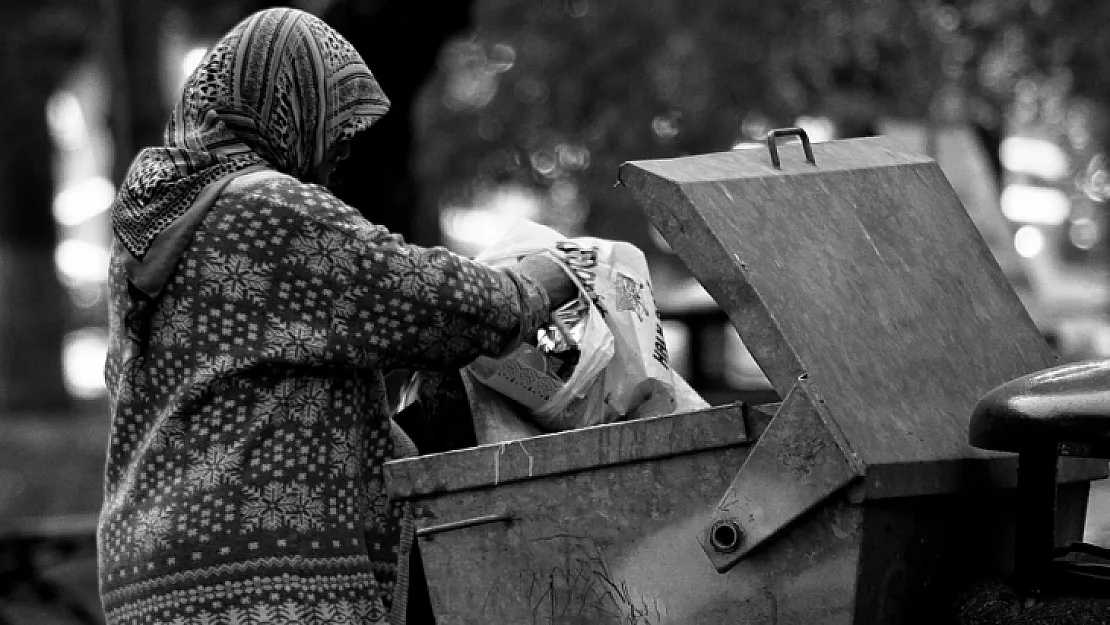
(616, 546)
(796, 464)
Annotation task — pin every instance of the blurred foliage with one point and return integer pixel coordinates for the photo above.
(555, 94)
(39, 42)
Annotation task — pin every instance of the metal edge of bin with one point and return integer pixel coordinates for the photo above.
(574, 450)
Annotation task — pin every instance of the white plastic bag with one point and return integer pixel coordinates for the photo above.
(525, 375)
(495, 418)
(622, 369)
(638, 382)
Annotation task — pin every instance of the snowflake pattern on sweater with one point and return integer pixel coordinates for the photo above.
(244, 482)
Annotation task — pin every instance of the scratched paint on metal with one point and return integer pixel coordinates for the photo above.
(794, 466)
(618, 545)
(799, 454)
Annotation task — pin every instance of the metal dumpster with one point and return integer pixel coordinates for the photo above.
(865, 293)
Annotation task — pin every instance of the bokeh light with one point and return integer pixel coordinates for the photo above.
(83, 357)
(80, 262)
(1029, 241)
(83, 200)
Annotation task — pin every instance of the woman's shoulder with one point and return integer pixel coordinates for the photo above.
(281, 195)
(271, 187)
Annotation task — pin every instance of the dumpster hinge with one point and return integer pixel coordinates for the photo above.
(798, 462)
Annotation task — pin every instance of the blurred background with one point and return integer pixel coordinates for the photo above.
(509, 109)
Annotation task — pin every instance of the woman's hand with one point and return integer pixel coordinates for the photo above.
(551, 276)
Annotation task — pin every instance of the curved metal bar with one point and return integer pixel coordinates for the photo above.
(785, 132)
(424, 532)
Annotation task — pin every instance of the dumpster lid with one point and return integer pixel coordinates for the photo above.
(857, 266)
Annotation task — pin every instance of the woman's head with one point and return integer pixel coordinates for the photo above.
(283, 85)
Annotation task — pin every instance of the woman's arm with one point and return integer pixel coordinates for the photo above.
(397, 305)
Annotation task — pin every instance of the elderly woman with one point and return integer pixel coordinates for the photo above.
(252, 316)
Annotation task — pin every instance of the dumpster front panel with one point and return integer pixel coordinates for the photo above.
(619, 545)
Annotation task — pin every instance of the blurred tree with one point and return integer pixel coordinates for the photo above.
(39, 42)
(132, 48)
(400, 41)
(554, 95)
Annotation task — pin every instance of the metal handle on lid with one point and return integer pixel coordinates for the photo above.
(786, 132)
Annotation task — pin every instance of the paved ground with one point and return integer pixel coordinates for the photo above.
(52, 465)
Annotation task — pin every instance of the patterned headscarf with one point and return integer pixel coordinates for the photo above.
(278, 91)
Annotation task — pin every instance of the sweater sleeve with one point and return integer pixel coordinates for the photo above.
(393, 305)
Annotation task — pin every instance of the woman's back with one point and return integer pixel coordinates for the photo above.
(250, 429)
(252, 315)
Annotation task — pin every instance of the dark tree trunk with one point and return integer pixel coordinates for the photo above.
(32, 303)
(35, 51)
(400, 41)
(991, 138)
(133, 55)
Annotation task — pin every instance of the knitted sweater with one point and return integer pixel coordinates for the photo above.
(250, 422)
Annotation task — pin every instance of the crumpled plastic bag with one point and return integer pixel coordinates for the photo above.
(610, 337)
(639, 381)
